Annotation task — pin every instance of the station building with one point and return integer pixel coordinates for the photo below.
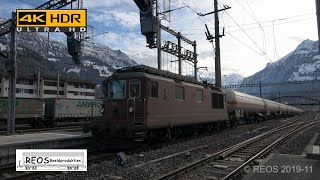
(46, 86)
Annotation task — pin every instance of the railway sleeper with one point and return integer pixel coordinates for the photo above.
(240, 156)
(226, 163)
(217, 171)
(243, 154)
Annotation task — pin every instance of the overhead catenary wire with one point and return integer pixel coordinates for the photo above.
(263, 22)
(232, 31)
(27, 3)
(275, 44)
(263, 52)
(254, 17)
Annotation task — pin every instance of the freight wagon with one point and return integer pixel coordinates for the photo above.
(58, 110)
(28, 111)
(39, 112)
(246, 107)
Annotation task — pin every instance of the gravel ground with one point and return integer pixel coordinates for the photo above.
(297, 143)
(215, 143)
(317, 143)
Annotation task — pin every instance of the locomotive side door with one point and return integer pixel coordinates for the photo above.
(135, 102)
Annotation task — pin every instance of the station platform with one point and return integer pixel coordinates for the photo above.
(44, 140)
(285, 167)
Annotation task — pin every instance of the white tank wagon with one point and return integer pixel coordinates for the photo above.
(248, 107)
(63, 110)
(240, 105)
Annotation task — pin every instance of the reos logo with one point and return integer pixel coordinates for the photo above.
(31, 18)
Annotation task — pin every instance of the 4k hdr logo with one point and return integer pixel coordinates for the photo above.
(31, 18)
(51, 20)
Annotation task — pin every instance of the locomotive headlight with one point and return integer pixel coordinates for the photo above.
(130, 109)
(102, 108)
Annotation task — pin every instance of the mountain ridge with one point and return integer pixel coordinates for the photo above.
(299, 65)
(35, 54)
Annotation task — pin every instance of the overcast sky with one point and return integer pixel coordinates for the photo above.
(245, 49)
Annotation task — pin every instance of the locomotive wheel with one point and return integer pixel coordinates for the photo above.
(86, 129)
(217, 127)
(148, 139)
(233, 123)
(36, 123)
(50, 123)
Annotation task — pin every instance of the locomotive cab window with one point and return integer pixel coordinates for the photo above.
(217, 101)
(179, 93)
(154, 89)
(115, 89)
(134, 88)
(199, 95)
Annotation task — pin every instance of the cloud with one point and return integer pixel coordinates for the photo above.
(7, 8)
(296, 38)
(128, 19)
(115, 17)
(100, 3)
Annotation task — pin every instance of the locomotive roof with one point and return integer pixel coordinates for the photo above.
(163, 73)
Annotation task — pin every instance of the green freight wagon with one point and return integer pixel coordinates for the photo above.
(28, 111)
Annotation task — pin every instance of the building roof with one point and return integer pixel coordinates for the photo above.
(46, 76)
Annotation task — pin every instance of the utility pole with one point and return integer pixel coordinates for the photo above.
(217, 40)
(158, 35)
(260, 89)
(318, 18)
(279, 97)
(195, 59)
(12, 77)
(217, 37)
(38, 85)
(11, 69)
(58, 83)
(179, 53)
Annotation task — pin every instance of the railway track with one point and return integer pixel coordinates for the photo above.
(66, 127)
(231, 162)
(97, 155)
(295, 120)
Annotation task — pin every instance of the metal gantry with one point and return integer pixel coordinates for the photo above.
(176, 49)
(151, 27)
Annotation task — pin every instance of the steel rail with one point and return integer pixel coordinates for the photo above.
(227, 151)
(266, 150)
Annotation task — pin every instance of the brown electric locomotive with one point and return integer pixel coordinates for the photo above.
(143, 103)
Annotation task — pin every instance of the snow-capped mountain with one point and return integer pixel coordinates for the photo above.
(35, 53)
(232, 79)
(301, 64)
(229, 79)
